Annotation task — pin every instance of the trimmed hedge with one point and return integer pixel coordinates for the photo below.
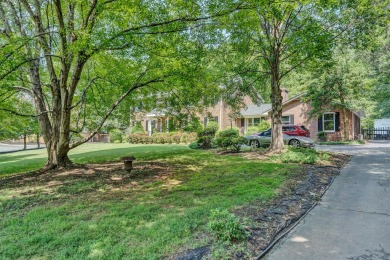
(162, 138)
(206, 136)
(229, 139)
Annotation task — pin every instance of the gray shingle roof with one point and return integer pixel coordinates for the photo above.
(255, 110)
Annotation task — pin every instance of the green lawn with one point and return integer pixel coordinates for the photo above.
(88, 153)
(163, 209)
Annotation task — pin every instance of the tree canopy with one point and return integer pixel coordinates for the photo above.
(82, 62)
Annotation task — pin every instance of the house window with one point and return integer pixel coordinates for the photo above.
(286, 120)
(254, 121)
(329, 122)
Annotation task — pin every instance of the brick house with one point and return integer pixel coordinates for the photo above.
(295, 111)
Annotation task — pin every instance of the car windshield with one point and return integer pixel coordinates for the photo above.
(265, 133)
(303, 127)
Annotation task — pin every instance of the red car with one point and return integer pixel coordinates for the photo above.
(299, 130)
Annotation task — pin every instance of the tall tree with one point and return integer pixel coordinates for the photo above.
(13, 124)
(53, 49)
(342, 83)
(379, 60)
(272, 39)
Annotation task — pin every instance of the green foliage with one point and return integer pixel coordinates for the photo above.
(193, 126)
(264, 125)
(76, 137)
(13, 126)
(193, 145)
(116, 136)
(379, 61)
(225, 226)
(322, 136)
(343, 82)
(212, 126)
(207, 135)
(228, 133)
(162, 138)
(302, 155)
(229, 139)
(138, 129)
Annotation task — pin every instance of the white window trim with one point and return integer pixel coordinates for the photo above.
(289, 120)
(334, 122)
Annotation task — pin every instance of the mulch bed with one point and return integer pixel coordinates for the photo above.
(298, 196)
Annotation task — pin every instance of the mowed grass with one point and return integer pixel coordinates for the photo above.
(31, 160)
(159, 212)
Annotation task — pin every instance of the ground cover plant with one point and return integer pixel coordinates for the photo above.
(98, 211)
(302, 156)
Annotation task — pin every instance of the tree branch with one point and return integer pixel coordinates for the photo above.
(135, 86)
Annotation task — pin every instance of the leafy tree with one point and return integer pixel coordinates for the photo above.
(379, 61)
(14, 126)
(343, 83)
(78, 60)
(269, 40)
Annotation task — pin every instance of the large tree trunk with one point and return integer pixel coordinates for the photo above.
(277, 144)
(57, 155)
(345, 123)
(345, 136)
(276, 117)
(24, 141)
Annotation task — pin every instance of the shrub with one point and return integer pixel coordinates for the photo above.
(188, 137)
(136, 138)
(252, 130)
(212, 126)
(229, 139)
(322, 136)
(175, 137)
(302, 155)
(115, 135)
(193, 145)
(225, 226)
(264, 125)
(161, 138)
(138, 129)
(205, 142)
(193, 126)
(206, 136)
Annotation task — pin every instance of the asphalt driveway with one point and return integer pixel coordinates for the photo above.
(8, 148)
(352, 220)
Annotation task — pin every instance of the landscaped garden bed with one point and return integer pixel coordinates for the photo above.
(162, 209)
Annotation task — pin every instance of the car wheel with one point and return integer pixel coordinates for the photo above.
(255, 144)
(295, 143)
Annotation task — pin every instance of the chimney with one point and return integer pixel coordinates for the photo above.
(284, 94)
